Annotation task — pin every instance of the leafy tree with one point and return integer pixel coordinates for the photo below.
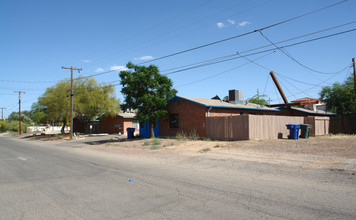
(146, 91)
(56, 102)
(14, 116)
(39, 113)
(340, 97)
(258, 99)
(13, 125)
(90, 99)
(3, 126)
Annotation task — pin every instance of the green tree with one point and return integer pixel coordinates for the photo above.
(39, 113)
(258, 99)
(3, 126)
(14, 116)
(56, 102)
(90, 99)
(340, 97)
(14, 126)
(146, 91)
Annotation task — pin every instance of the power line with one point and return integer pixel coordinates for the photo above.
(232, 55)
(244, 34)
(21, 81)
(295, 60)
(150, 28)
(264, 51)
(200, 80)
(161, 41)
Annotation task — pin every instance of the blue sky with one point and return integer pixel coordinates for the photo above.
(39, 37)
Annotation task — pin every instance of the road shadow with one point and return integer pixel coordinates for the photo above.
(120, 140)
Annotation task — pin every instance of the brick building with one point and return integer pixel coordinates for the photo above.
(118, 123)
(189, 114)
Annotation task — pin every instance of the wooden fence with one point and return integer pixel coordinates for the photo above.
(260, 127)
(228, 128)
(344, 125)
(266, 127)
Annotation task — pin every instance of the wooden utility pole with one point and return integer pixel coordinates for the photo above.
(71, 98)
(19, 110)
(353, 64)
(2, 114)
(278, 87)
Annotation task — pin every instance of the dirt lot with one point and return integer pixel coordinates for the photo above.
(333, 152)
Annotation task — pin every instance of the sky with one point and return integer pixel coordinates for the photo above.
(38, 37)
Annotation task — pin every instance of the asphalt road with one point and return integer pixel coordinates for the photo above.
(46, 181)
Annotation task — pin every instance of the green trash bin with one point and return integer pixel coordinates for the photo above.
(305, 130)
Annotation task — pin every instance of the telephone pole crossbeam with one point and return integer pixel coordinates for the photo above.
(71, 97)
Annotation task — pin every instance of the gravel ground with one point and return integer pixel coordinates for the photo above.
(330, 152)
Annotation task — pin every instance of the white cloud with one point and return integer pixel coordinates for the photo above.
(231, 21)
(121, 68)
(85, 61)
(220, 25)
(244, 23)
(144, 58)
(98, 70)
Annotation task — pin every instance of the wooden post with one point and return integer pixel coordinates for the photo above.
(353, 64)
(19, 110)
(278, 87)
(71, 98)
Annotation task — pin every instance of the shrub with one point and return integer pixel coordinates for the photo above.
(204, 150)
(193, 136)
(155, 142)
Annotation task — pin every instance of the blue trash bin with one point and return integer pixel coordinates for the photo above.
(293, 130)
(130, 133)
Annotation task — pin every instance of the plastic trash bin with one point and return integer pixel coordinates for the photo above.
(305, 130)
(293, 131)
(130, 133)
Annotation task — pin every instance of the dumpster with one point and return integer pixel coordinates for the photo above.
(305, 130)
(130, 133)
(293, 130)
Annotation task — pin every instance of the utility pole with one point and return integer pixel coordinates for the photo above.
(353, 64)
(258, 96)
(71, 98)
(19, 110)
(2, 114)
(279, 87)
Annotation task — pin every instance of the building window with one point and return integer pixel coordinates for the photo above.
(174, 120)
(135, 124)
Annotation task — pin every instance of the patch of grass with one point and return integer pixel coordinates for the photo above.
(145, 143)
(206, 139)
(109, 144)
(205, 150)
(155, 142)
(192, 136)
(154, 147)
(181, 136)
(217, 146)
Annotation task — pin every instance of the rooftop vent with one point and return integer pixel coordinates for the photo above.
(236, 97)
